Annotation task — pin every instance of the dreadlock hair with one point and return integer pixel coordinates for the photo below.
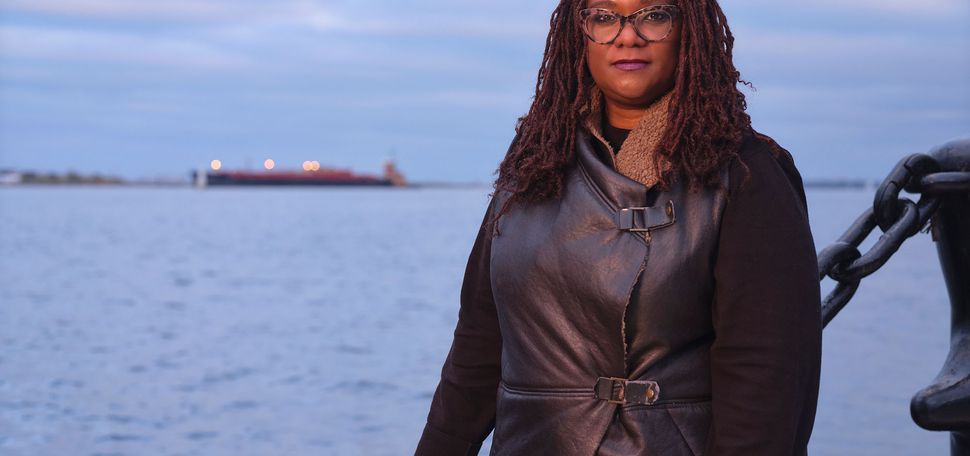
(707, 114)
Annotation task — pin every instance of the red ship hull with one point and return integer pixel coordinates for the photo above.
(292, 178)
(309, 177)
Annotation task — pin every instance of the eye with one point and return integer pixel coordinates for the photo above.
(657, 16)
(603, 17)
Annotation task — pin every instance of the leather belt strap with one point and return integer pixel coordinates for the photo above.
(637, 219)
(616, 390)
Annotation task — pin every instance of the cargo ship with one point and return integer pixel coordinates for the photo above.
(312, 174)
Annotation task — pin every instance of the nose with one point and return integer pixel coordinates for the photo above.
(628, 36)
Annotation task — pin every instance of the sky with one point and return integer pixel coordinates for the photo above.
(152, 88)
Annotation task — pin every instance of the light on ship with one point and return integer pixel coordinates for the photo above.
(316, 165)
(307, 166)
(269, 164)
(216, 165)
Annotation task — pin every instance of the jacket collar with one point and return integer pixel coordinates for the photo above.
(618, 190)
(635, 157)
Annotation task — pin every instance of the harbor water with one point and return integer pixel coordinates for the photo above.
(173, 321)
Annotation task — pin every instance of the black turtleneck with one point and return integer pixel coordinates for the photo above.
(615, 136)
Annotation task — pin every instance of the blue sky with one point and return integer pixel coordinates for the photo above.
(145, 88)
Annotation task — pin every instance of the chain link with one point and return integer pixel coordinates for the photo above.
(898, 218)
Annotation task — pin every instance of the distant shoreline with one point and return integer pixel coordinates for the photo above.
(10, 178)
(833, 184)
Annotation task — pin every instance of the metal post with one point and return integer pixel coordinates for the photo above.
(945, 405)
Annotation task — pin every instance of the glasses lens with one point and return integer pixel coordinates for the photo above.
(601, 25)
(654, 25)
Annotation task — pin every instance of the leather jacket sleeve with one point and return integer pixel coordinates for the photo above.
(463, 408)
(766, 356)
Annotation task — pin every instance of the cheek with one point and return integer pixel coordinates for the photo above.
(595, 59)
(671, 58)
(673, 51)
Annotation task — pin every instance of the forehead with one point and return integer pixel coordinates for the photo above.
(627, 3)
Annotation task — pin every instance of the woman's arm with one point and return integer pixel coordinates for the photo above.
(766, 356)
(463, 408)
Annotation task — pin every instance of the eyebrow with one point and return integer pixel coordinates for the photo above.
(611, 3)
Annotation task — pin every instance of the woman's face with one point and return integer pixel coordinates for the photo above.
(632, 72)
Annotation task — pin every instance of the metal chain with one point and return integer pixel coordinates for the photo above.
(898, 218)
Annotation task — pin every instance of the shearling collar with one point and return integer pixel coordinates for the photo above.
(634, 159)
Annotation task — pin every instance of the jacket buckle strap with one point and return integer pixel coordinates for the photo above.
(638, 219)
(616, 390)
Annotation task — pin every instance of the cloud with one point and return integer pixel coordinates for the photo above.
(928, 7)
(427, 25)
(819, 58)
(129, 9)
(454, 98)
(832, 76)
(66, 45)
(347, 20)
(939, 8)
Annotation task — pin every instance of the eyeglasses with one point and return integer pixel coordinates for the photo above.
(653, 23)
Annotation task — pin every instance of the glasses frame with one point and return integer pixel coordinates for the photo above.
(673, 10)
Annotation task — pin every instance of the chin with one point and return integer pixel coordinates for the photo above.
(636, 97)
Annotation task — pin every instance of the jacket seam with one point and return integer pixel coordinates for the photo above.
(593, 188)
(548, 391)
(669, 403)
(626, 305)
(472, 445)
(680, 431)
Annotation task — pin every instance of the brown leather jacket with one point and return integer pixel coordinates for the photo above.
(690, 327)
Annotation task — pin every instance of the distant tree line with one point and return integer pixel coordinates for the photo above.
(71, 177)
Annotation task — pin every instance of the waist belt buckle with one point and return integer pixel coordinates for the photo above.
(617, 390)
(623, 391)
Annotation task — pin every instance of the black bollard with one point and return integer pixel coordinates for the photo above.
(945, 405)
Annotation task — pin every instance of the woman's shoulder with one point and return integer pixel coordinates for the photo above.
(762, 165)
(758, 149)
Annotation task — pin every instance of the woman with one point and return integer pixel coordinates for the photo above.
(644, 281)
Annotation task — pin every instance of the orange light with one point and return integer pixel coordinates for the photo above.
(316, 165)
(307, 166)
(216, 165)
(269, 164)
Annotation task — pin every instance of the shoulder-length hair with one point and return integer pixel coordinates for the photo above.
(707, 118)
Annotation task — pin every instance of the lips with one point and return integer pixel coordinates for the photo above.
(631, 64)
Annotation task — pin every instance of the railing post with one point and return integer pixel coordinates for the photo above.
(945, 405)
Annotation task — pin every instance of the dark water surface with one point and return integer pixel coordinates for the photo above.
(315, 321)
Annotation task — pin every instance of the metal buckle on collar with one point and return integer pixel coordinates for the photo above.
(616, 390)
(652, 217)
